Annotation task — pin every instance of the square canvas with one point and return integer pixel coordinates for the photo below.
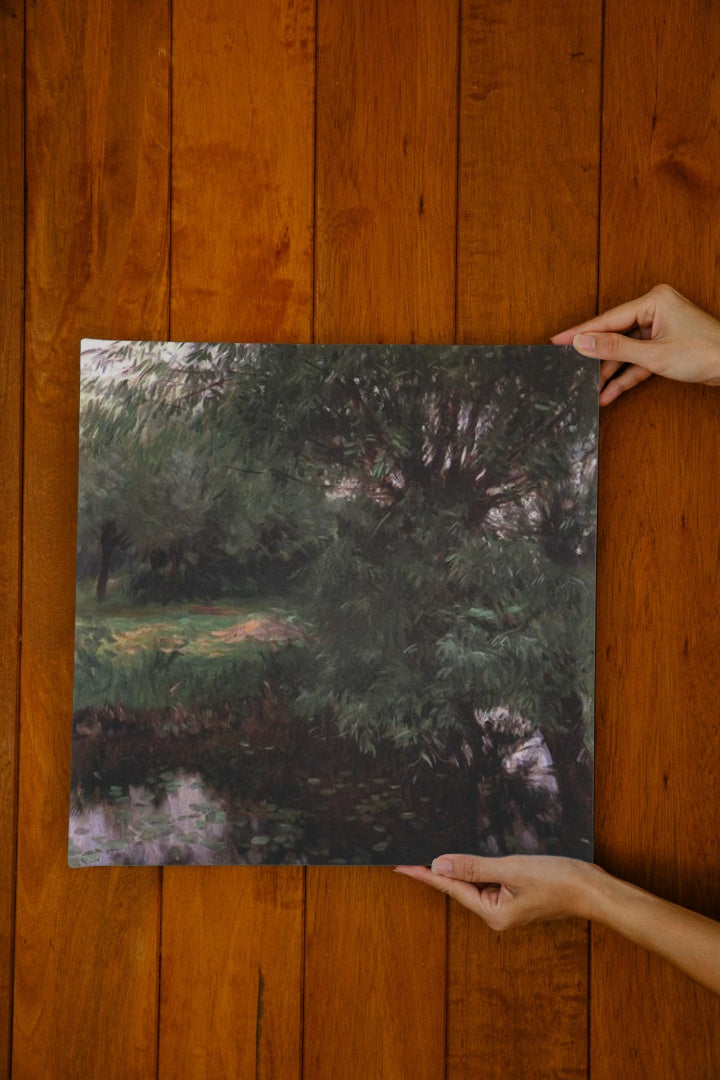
(335, 604)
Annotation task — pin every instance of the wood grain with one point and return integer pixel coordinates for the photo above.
(657, 790)
(232, 951)
(97, 181)
(386, 171)
(243, 145)
(12, 215)
(374, 976)
(529, 158)
(242, 232)
(379, 964)
(527, 243)
(517, 1001)
(658, 748)
(384, 271)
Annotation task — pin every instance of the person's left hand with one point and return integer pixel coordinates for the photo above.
(513, 890)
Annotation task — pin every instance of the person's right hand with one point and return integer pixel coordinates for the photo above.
(660, 333)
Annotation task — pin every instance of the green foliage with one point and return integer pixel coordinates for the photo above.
(431, 513)
(201, 518)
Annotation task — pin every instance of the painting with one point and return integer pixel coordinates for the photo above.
(335, 604)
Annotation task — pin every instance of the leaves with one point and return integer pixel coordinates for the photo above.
(430, 513)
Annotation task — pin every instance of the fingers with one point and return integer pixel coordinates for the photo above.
(421, 873)
(640, 311)
(608, 368)
(479, 885)
(625, 381)
(466, 894)
(512, 890)
(610, 390)
(497, 906)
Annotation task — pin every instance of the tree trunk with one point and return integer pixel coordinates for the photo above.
(110, 540)
(575, 783)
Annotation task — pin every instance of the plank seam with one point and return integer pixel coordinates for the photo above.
(171, 27)
(303, 969)
(19, 561)
(159, 974)
(458, 130)
(447, 988)
(171, 17)
(598, 293)
(588, 992)
(313, 283)
(313, 303)
(457, 169)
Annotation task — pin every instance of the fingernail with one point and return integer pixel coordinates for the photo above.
(441, 866)
(584, 341)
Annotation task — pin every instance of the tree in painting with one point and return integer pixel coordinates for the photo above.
(425, 517)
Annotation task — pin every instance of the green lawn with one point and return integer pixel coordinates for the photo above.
(153, 656)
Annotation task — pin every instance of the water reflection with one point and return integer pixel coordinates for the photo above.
(177, 822)
(232, 797)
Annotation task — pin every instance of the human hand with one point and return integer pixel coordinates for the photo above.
(521, 889)
(660, 333)
(514, 890)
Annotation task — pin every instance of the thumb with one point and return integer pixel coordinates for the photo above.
(468, 868)
(620, 349)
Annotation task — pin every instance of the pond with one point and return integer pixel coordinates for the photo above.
(235, 813)
(147, 794)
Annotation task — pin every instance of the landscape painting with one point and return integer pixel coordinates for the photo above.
(335, 604)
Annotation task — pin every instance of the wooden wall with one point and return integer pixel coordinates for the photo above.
(347, 170)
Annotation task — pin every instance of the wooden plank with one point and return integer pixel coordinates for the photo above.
(527, 242)
(657, 785)
(386, 160)
(385, 259)
(658, 747)
(243, 144)
(97, 230)
(374, 976)
(515, 995)
(12, 242)
(231, 994)
(243, 105)
(528, 182)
